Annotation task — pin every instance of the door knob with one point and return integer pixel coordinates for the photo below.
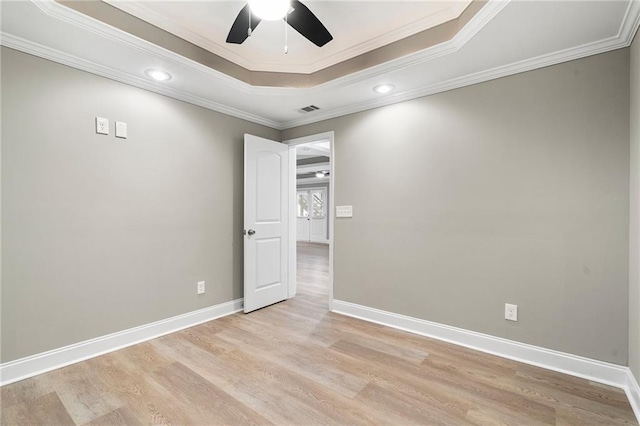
(251, 232)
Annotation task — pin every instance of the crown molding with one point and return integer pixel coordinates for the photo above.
(167, 24)
(475, 24)
(70, 16)
(44, 52)
(624, 38)
(87, 23)
(139, 10)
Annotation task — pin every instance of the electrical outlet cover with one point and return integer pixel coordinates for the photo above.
(511, 312)
(201, 287)
(102, 126)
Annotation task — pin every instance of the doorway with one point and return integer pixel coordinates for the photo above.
(311, 230)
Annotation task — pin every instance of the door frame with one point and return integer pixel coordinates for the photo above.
(293, 143)
(326, 212)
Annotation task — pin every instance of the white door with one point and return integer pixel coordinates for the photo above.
(318, 215)
(266, 229)
(311, 207)
(302, 216)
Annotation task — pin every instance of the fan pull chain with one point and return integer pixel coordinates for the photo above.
(286, 34)
(249, 30)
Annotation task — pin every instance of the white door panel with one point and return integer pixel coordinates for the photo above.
(318, 230)
(312, 215)
(265, 222)
(302, 229)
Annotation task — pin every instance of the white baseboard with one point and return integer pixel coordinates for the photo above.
(24, 368)
(313, 242)
(590, 369)
(321, 241)
(633, 393)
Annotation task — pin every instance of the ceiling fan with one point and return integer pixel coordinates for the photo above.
(293, 12)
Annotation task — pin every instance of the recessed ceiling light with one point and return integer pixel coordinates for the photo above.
(158, 75)
(384, 88)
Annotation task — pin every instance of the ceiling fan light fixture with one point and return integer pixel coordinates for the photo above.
(384, 88)
(270, 10)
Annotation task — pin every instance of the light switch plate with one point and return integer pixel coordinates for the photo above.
(344, 211)
(121, 129)
(102, 126)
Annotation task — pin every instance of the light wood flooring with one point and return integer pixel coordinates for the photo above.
(294, 363)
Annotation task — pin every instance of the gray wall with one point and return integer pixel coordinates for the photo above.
(634, 222)
(329, 207)
(515, 190)
(101, 234)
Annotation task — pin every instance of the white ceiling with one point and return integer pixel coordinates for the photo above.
(357, 27)
(504, 38)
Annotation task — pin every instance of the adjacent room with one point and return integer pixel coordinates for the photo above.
(320, 212)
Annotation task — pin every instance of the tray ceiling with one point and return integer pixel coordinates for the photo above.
(501, 38)
(358, 27)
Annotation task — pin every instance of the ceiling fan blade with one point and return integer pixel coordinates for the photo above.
(306, 23)
(239, 30)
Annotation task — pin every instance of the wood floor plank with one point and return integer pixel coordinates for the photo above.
(120, 417)
(287, 354)
(146, 399)
(543, 392)
(477, 392)
(45, 410)
(83, 394)
(208, 403)
(295, 363)
(24, 391)
(405, 408)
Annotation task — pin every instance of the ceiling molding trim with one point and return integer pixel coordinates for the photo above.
(170, 25)
(312, 168)
(87, 23)
(623, 39)
(311, 181)
(483, 17)
(631, 22)
(388, 38)
(44, 52)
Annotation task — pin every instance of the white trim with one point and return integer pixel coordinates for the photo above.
(30, 366)
(326, 136)
(632, 390)
(320, 242)
(586, 368)
(80, 20)
(624, 38)
(313, 180)
(313, 167)
(63, 58)
(627, 29)
(171, 25)
(293, 214)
